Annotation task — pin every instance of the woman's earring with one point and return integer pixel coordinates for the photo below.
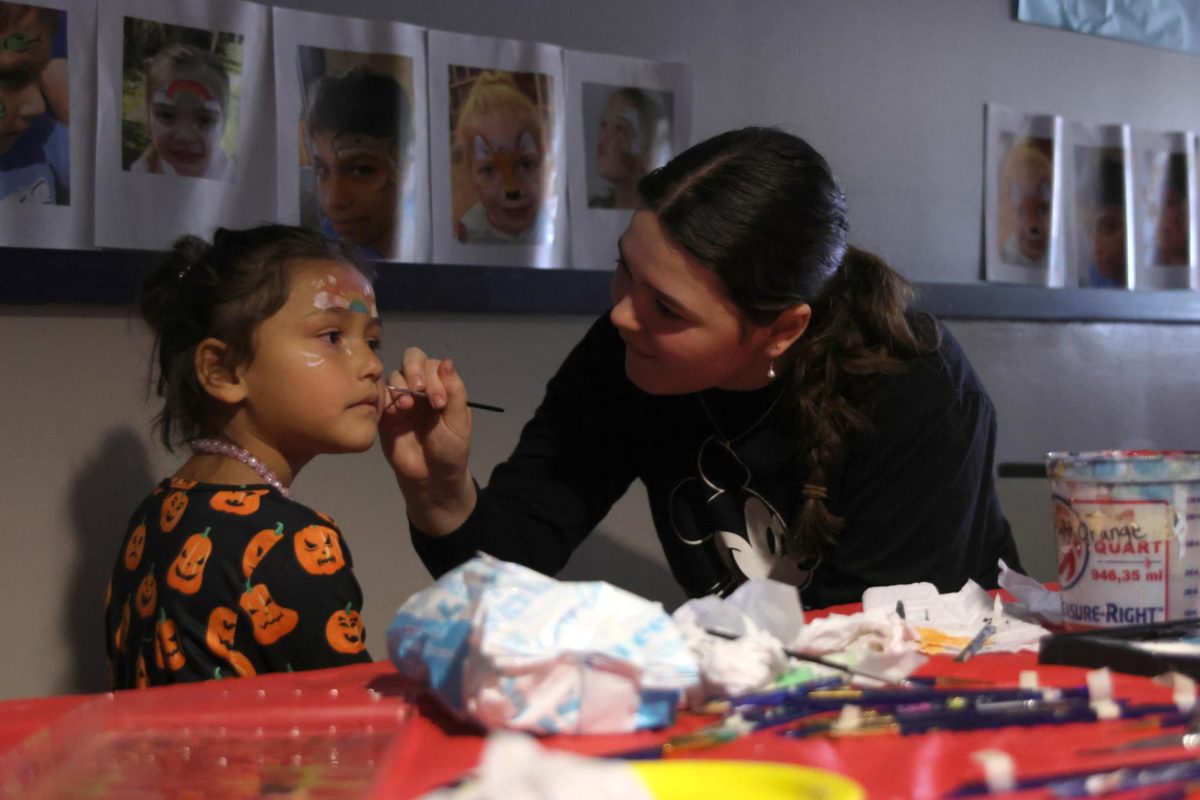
(771, 371)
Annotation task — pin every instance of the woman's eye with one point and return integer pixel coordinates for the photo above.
(374, 344)
(665, 310)
(529, 163)
(206, 120)
(333, 337)
(164, 116)
(486, 170)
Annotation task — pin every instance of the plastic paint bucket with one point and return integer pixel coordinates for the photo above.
(1127, 524)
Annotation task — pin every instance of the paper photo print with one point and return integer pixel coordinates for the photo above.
(353, 132)
(627, 117)
(497, 166)
(631, 136)
(1021, 201)
(179, 106)
(356, 135)
(1162, 211)
(1099, 206)
(185, 142)
(500, 155)
(45, 156)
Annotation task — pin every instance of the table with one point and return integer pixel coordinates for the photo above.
(433, 748)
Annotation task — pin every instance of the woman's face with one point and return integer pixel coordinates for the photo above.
(506, 167)
(682, 333)
(186, 122)
(615, 160)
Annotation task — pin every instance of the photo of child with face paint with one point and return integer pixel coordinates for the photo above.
(1167, 226)
(356, 138)
(1025, 195)
(500, 163)
(34, 142)
(180, 124)
(1100, 174)
(633, 137)
(265, 351)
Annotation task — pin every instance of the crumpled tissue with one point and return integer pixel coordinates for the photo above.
(763, 614)
(511, 648)
(946, 623)
(515, 767)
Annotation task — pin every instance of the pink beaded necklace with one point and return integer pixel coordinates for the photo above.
(221, 447)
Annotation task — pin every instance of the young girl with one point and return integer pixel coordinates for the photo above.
(500, 139)
(633, 138)
(265, 344)
(787, 413)
(187, 92)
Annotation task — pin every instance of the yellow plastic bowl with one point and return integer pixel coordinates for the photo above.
(762, 780)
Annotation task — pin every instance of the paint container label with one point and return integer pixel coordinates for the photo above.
(1128, 541)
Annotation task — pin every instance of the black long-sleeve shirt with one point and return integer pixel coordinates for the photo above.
(916, 490)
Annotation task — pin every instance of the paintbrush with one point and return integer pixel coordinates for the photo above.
(418, 393)
(825, 662)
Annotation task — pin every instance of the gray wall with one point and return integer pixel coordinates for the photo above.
(892, 93)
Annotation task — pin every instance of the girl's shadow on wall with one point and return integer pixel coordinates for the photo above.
(104, 493)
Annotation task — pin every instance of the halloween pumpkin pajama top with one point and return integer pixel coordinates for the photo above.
(216, 581)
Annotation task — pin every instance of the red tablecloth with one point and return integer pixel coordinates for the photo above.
(432, 749)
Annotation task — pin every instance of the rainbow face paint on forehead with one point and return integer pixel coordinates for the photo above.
(349, 145)
(356, 299)
(177, 91)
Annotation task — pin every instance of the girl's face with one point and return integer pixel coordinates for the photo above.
(615, 159)
(186, 121)
(506, 167)
(357, 186)
(682, 333)
(313, 385)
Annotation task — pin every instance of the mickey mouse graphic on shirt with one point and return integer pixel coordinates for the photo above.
(720, 511)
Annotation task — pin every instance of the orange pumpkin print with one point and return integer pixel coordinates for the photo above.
(169, 652)
(262, 541)
(141, 679)
(187, 571)
(182, 483)
(344, 631)
(319, 550)
(135, 547)
(172, 510)
(146, 599)
(269, 621)
(222, 622)
(243, 502)
(241, 664)
(123, 629)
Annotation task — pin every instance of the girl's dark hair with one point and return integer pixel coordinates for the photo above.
(222, 290)
(359, 101)
(761, 208)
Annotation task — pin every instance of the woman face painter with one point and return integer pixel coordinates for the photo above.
(789, 415)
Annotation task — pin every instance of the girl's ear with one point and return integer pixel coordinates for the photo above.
(214, 375)
(787, 328)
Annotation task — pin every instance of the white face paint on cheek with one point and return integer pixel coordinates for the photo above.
(312, 359)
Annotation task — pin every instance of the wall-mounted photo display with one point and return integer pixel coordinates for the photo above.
(184, 131)
(47, 118)
(1098, 205)
(497, 160)
(626, 117)
(1022, 200)
(353, 146)
(1164, 255)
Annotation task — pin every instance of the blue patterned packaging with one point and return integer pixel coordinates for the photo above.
(510, 648)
